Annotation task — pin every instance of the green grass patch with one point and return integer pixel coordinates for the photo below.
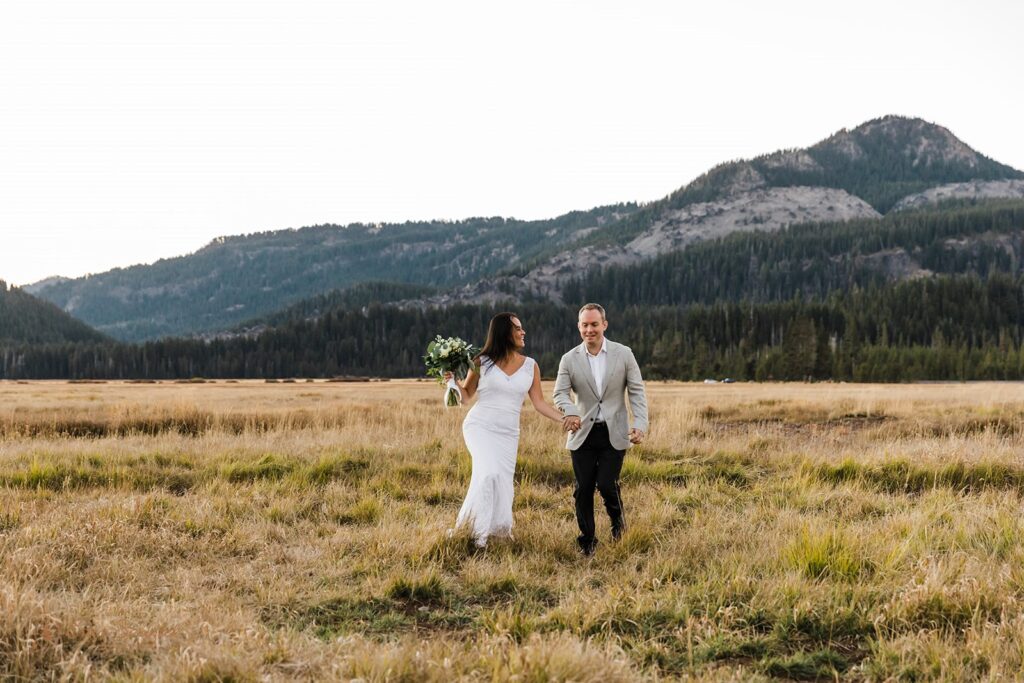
(725, 647)
(429, 590)
(364, 511)
(826, 555)
(901, 476)
(268, 467)
(947, 613)
(824, 664)
(327, 470)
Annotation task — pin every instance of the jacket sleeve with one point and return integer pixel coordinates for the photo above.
(637, 395)
(563, 384)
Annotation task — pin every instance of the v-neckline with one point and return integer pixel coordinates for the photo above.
(514, 373)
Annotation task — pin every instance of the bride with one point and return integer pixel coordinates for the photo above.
(502, 376)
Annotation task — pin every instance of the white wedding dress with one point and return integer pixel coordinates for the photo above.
(491, 431)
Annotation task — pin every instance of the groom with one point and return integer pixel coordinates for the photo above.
(600, 373)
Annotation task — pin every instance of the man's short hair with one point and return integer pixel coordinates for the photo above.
(592, 307)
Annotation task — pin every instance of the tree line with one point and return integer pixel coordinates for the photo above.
(956, 327)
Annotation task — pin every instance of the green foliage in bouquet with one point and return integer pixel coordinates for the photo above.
(449, 355)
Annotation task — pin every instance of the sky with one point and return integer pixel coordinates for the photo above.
(137, 130)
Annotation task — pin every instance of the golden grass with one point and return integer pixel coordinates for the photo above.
(251, 531)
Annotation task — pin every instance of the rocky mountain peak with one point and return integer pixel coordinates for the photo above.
(923, 142)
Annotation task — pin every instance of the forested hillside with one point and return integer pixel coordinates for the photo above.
(236, 279)
(815, 260)
(24, 318)
(354, 297)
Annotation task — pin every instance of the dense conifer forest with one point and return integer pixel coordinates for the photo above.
(26, 319)
(817, 259)
(954, 327)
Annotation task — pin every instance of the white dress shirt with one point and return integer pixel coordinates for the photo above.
(598, 364)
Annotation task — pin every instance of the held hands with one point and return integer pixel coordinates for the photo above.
(571, 423)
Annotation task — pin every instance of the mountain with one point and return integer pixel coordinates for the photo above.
(26, 319)
(853, 175)
(814, 260)
(935, 293)
(236, 279)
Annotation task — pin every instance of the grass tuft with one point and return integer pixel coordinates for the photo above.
(826, 555)
(427, 590)
(268, 467)
(365, 511)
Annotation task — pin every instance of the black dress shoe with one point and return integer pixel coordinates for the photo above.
(586, 546)
(618, 528)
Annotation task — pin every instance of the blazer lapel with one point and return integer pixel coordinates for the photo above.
(587, 372)
(607, 370)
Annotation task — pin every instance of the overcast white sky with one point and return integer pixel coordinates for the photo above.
(135, 130)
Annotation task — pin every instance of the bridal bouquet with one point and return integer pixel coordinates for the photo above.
(450, 355)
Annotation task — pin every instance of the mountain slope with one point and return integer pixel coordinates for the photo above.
(234, 279)
(355, 297)
(852, 175)
(807, 259)
(880, 161)
(26, 319)
(816, 260)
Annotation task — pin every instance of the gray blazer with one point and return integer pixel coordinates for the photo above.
(622, 376)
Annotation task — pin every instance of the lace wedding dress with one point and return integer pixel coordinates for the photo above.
(491, 431)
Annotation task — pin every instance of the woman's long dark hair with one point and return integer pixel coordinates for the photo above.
(499, 344)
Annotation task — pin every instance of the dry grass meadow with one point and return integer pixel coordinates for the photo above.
(259, 531)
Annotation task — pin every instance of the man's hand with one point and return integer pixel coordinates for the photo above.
(636, 436)
(571, 423)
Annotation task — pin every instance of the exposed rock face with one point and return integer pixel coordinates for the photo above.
(744, 178)
(896, 264)
(794, 160)
(844, 144)
(766, 209)
(981, 189)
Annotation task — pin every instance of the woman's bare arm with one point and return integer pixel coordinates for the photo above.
(537, 398)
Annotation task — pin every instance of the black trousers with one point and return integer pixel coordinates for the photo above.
(597, 465)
